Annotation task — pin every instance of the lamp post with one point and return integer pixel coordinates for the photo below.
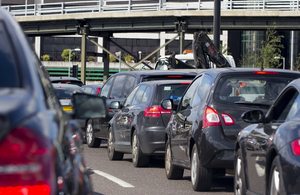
(70, 52)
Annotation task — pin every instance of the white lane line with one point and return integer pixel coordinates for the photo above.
(114, 179)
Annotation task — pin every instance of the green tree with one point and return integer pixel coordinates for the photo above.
(65, 55)
(128, 58)
(45, 57)
(112, 58)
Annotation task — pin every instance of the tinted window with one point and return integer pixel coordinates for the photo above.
(250, 89)
(202, 90)
(129, 86)
(8, 67)
(173, 91)
(130, 97)
(146, 96)
(139, 95)
(117, 88)
(106, 88)
(65, 93)
(188, 96)
(168, 77)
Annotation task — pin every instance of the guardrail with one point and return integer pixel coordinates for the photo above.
(146, 5)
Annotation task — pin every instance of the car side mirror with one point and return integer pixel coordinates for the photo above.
(167, 104)
(254, 116)
(115, 105)
(87, 106)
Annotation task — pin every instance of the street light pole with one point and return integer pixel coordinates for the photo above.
(217, 19)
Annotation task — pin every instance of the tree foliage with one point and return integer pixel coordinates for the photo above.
(65, 55)
(45, 57)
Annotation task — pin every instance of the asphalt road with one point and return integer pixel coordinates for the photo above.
(120, 177)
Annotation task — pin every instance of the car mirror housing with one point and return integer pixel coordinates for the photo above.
(254, 116)
(167, 104)
(115, 105)
(88, 106)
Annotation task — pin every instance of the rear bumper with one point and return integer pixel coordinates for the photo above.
(152, 140)
(216, 151)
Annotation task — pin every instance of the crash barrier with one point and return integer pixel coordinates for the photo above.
(146, 5)
(92, 73)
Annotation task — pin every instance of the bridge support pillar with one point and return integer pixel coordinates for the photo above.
(181, 41)
(83, 57)
(37, 45)
(106, 57)
(162, 38)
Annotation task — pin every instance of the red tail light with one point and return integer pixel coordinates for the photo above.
(175, 76)
(265, 72)
(155, 111)
(228, 120)
(26, 165)
(210, 118)
(296, 147)
(98, 91)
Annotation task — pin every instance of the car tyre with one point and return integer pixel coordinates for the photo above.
(239, 177)
(138, 158)
(275, 185)
(201, 177)
(172, 171)
(112, 154)
(91, 140)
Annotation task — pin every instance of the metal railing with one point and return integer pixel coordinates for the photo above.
(146, 5)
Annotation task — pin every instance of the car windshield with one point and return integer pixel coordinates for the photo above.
(171, 91)
(8, 68)
(250, 90)
(65, 93)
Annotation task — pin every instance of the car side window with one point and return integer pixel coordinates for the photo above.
(202, 90)
(117, 88)
(139, 95)
(129, 86)
(187, 98)
(106, 88)
(129, 99)
(146, 96)
(287, 106)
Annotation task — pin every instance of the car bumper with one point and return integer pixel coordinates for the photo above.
(216, 150)
(152, 140)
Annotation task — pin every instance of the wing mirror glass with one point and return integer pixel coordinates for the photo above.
(254, 116)
(115, 105)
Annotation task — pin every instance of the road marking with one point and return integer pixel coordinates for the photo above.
(114, 179)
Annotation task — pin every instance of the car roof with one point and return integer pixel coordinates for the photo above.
(64, 78)
(160, 72)
(65, 86)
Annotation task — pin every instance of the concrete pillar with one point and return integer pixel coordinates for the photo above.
(181, 41)
(292, 49)
(162, 37)
(106, 58)
(99, 49)
(83, 57)
(37, 46)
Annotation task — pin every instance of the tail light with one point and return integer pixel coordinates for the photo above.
(211, 118)
(155, 111)
(26, 166)
(265, 72)
(98, 91)
(296, 147)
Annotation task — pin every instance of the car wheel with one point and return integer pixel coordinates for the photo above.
(138, 158)
(275, 185)
(201, 176)
(239, 177)
(112, 154)
(172, 171)
(91, 140)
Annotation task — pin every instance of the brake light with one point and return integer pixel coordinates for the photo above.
(26, 165)
(210, 118)
(174, 76)
(265, 72)
(228, 120)
(296, 147)
(155, 111)
(185, 83)
(98, 91)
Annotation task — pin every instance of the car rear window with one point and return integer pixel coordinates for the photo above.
(65, 93)
(168, 77)
(170, 91)
(73, 82)
(8, 67)
(249, 89)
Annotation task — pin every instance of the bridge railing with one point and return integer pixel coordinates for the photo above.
(147, 5)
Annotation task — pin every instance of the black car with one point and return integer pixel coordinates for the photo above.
(268, 151)
(66, 80)
(139, 127)
(40, 148)
(117, 88)
(203, 130)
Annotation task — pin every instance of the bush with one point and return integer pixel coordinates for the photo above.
(128, 58)
(112, 58)
(45, 57)
(65, 55)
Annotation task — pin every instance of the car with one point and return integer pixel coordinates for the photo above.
(40, 147)
(117, 88)
(139, 127)
(64, 93)
(67, 80)
(203, 128)
(94, 89)
(267, 152)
